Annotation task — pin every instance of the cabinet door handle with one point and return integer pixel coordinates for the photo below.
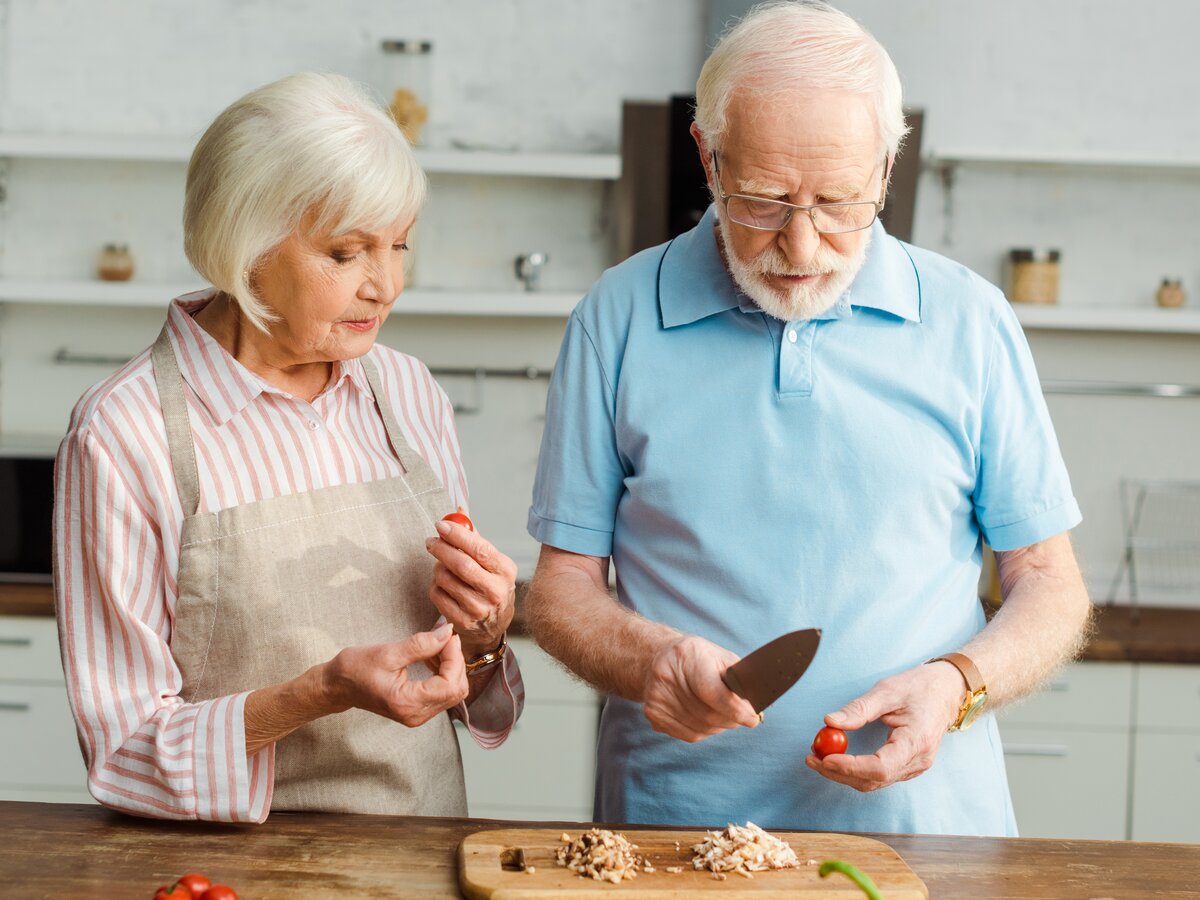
(14, 707)
(1035, 750)
(16, 642)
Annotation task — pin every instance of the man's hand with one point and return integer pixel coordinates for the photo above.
(684, 695)
(918, 705)
(474, 586)
(375, 678)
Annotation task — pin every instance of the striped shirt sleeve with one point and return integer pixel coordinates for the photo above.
(147, 751)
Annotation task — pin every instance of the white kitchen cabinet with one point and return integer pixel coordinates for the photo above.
(1067, 753)
(546, 768)
(39, 752)
(1166, 754)
(1068, 783)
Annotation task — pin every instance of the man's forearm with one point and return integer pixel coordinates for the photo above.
(1042, 624)
(575, 620)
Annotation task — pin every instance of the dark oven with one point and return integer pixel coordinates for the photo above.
(26, 511)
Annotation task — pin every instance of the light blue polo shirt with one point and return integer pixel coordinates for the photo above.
(750, 477)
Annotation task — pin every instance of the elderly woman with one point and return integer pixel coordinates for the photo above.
(260, 606)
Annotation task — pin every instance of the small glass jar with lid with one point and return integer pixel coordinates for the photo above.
(404, 77)
(115, 263)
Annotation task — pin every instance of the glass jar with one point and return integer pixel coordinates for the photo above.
(115, 263)
(404, 79)
(1170, 294)
(1033, 277)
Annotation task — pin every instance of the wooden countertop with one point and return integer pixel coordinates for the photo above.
(60, 850)
(1154, 634)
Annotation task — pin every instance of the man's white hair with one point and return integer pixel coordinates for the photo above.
(791, 45)
(308, 142)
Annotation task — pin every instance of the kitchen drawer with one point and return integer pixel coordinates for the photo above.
(1068, 783)
(545, 679)
(1168, 697)
(39, 747)
(546, 767)
(1166, 788)
(29, 649)
(1083, 694)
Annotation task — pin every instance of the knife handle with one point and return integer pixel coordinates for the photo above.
(731, 681)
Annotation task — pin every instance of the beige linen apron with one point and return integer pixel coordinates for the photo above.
(271, 588)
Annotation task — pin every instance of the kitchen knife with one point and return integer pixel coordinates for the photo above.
(765, 675)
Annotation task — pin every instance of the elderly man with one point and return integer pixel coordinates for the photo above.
(786, 418)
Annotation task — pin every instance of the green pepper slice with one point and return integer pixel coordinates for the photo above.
(858, 877)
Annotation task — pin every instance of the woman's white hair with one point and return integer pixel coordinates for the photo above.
(798, 44)
(310, 142)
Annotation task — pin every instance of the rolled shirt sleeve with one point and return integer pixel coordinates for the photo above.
(147, 751)
(1022, 490)
(491, 716)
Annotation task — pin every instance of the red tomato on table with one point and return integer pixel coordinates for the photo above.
(196, 884)
(461, 518)
(219, 892)
(174, 892)
(829, 740)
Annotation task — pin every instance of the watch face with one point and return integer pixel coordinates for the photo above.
(978, 702)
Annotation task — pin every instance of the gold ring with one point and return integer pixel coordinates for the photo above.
(760, 718)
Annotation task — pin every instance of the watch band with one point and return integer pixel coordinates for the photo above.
(968, 669)
(488, 659)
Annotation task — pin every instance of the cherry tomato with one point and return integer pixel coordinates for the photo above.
(461, 518)
(174, 892)
(829, 740)
(196, 884)
(219, 892)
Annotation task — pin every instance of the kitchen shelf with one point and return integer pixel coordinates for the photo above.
(416, 301)
(1150, 320)
(940, 159)
(156, 148)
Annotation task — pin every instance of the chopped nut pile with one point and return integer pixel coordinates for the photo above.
(602, 855)
(742, 849)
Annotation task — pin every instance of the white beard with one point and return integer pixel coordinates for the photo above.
(803, 301)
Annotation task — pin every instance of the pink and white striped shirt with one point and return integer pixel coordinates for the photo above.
(117, 525)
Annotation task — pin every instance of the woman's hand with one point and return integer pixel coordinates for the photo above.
(474, 586)
(375, 678)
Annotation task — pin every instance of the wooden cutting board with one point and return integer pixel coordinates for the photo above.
(482, 872)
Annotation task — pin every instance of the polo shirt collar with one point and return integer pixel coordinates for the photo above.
(223, 385)
(888, 279)
(693, 282)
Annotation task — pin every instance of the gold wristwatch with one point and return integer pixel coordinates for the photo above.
(976, 698)
(489, 659)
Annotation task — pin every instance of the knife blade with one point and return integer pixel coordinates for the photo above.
(766, 674)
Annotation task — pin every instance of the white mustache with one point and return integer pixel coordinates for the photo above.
(772, 262)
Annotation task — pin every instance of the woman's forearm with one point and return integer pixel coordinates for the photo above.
(274, 712)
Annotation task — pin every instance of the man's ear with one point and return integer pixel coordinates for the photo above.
(705, 153)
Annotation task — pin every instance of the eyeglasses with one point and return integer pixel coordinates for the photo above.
(774, 215)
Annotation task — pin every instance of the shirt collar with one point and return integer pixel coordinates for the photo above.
(693, 282)
(222, 384)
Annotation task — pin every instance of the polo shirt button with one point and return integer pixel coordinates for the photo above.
(313, 425)
(792, 336)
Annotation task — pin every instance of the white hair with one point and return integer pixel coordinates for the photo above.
(310, 142)
(798, 44)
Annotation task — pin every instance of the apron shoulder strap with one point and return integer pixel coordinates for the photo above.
(409, 458)
(177, 421)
